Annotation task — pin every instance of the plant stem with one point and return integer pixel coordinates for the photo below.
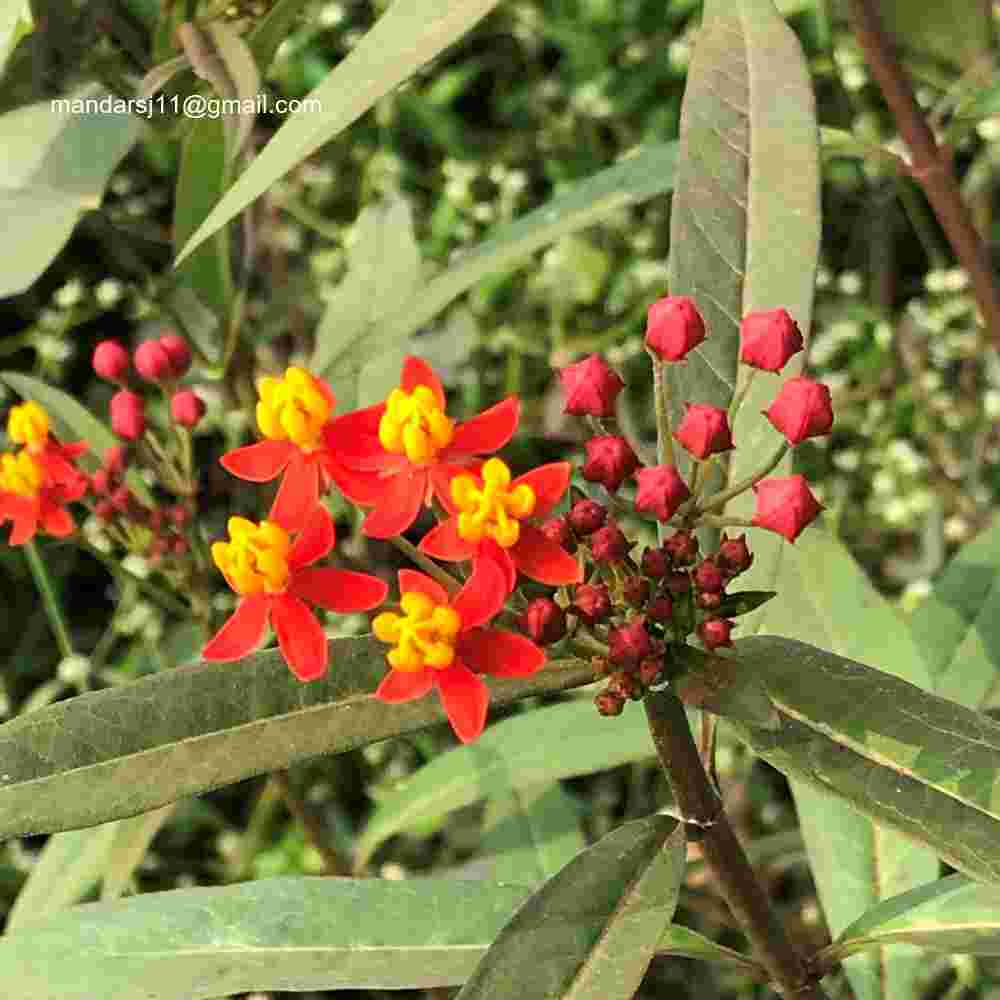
(722, 498)
(931, 166)
(744, 379)
(333, 863)
(428, 565)
(702, 810)
(50, 599)
(661, 402)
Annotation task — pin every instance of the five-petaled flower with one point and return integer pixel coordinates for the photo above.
(294, 416)
(37, 481)
(405, 451)
(274, 576)
(489, 513)
(443, 643)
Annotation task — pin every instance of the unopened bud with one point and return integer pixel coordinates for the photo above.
(629, 643)
(709, 601)
(590, 387)
(610, 461)
(178, 351)
(708, 577)
(649, 671)
(677, 582)
(635, 591)
(704, 430)
(660, 609)
(682, 547)
(152, 362)
(609, 703)
(660, 492)
(544, 621)
(768, 339)
(734, 557)
(608, 544)
(802, 409)
(186, 408)
(673, 327)
(655, 563)
(715, 632)
(110, 361)
(128, 415)
(592, 602)
(585, 517)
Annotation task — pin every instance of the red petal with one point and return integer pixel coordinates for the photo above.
(242, 633)
(411, 580)
(23, 530)
(487, 431)
(298, 494)
(398, 505)
(57, 521)
(483, 594)
(315, 541)
(402, 685)
(441, 474)
(338, 590)
(465, 698)
(502, 654)
(74, 449)
(540, 558)
(359, 487)
(327, 392)
(489, 549)
(549, 483)
(300, 637)
(353, 438)
(418, 372)
(444, 542)
(259, 463)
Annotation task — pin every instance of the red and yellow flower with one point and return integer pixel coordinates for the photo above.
(489, 518)
(444, 643)
(275, 578)
(294, 416)
(406, 450)
(37, 481)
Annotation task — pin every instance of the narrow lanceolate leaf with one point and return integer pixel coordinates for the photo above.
(719, 684)
(115, 753)
(384, 268)
(243, 80)
(825, 598)
(132, 839)
(684, 943)
(745, 220)
(72, 421)
(594, 927)
(269, 32)
(408, 35)
(957, 629)
(541, 746)
(953, 914)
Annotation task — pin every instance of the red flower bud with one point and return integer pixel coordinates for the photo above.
(649, 671)
(121, 499)
(708, 577)
(677, 582)
(608, 544)
(179, 547)
(110, 360)
(801, 410)
(99, 482)
(704, 430)
(155, 521)
(661, 491)
(785, 505)
(104, 510)
(715, 632)
(187, 408)
(635, 591)
(610, 461)
(673, 327)
(734, 557)
(114, 460)
(591, 602)
(629, 643)
(585, 517)
(682, 547)
(655, 563)
(128, 415)
(152, 362)
(591, 387)
(708, 601)
(179, 514)
(178, 351)
(544, 621)
(768, 339)
(660, 609)
(609, 703)
(557, 530)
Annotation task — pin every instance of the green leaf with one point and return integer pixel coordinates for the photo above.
(407, 36)
(204, 175)
(132, 840)
(825, 598)
(532, 833)
(72, 421)
(982, 104)
(684, 943)
(384, 266)
(956, 32)
(719, 684)
(743, 602)
(906, 758)
(640, 177)
(953, 915)
(275, 27)
(242, 82)
(957, 629)
(595, 926)
(745, 220)
(126, 750)
(535, 748)
(53, 168)
(15, 23)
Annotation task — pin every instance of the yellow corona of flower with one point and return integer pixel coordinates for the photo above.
(414, 425)
(20, 474)
(293, 408)
(423, 636)
(255, 561)
(493, 509)
(28, 424)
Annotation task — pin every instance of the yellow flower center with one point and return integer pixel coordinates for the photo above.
(20, 474)
(292, 408)
(28, 424)
(413, 424)
(422, 636)
(492, 509)
(256, 559)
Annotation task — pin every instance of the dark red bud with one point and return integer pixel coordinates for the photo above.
(660, 609)
(586, 516)
(734, 557)
(709, 601)
(609, 703)
(649, 671)
(682, 547)
(715, 632)
(610, 461)
(629, 643)
(655, 563)
(178, 351)
(544, 621)
(179, 514)
(608, 544)
(677, 582)
(592, 602)
(709, 578)
(636, 591)
(557, 530)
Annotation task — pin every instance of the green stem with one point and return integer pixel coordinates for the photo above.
(50, 599)
(428, 565)
(661, 402)
(166, 600)
(744, 380)
(719, 500)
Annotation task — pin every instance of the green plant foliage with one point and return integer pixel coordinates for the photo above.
(127, 750)
(595, 926)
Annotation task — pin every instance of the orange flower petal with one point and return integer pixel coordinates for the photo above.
(487, 431)
(411, 580)
(315, 541)
(398, 505)
(259, 463)
(501, 654)
(298, 494)
(465, 699)
(541, 559)
(402, 685)
(353, 439)
(483, 595)
(416, 372)
(488, 549)
(444, 542)
(339, 590)
(56, 521)
(548, 482)
(300, 637)
(242, 633)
